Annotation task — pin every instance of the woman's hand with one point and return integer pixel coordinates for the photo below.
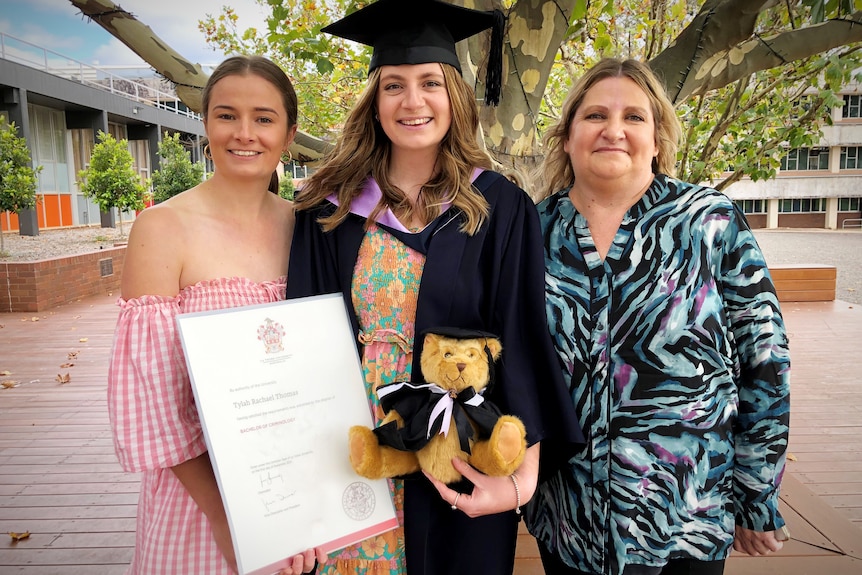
(492, 494)
(304, 562)
(756, 543)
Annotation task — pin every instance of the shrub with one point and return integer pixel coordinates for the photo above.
(177, 173)
(111, 180)
(17, 175)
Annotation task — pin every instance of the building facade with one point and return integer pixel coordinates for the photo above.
(59, 106)
(818, 187)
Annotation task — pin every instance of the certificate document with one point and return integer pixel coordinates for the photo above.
(277, 387)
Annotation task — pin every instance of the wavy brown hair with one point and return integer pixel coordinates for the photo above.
(555, 172)
(364, 150)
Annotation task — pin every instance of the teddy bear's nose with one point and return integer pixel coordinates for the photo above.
(461, 366)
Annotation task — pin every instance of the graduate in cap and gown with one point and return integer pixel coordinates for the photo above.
(407, 220)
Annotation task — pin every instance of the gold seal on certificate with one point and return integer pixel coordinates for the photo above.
(277, 388)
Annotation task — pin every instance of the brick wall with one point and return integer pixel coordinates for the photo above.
(40, 285)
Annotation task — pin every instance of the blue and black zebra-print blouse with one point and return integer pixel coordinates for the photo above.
(678, 362)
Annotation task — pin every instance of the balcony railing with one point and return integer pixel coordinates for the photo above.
(23, 52)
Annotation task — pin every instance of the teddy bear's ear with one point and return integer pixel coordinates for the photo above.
(494, 346)
(431, 339)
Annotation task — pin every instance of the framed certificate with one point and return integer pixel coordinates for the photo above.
(277, 387)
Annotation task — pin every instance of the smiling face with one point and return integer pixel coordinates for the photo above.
(247, 127)
(612, 136)
(413, 106)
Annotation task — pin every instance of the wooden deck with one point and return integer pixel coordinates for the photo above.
(60, 481)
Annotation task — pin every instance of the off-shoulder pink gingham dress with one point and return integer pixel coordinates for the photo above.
(155, 422)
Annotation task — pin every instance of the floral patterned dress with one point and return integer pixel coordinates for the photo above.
(385, 291)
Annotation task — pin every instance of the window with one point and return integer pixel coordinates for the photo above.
(803, 105)
(141, 158)
(751, 206)
(848, 204)
(48, 148)
(851, 158)
(806, 159)
(852, 106)
(802, 205)
(118, 131)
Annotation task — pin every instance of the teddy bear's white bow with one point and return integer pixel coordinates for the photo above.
(443, 406)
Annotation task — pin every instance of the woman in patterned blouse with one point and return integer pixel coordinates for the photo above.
(669, 331)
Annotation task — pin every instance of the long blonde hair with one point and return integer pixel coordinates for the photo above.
(364, 150)
(555, 173)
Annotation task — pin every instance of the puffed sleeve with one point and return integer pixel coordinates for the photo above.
(150, 401)
(763, 379)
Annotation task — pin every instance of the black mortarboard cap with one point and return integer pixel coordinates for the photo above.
(459, 333)
(423, 31)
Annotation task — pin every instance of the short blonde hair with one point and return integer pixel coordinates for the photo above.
(555, 173)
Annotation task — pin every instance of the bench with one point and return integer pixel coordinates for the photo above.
(804, 282)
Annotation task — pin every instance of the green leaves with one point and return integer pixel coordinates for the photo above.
(111, 180)
(176, 171)
(327, 73)
(17, 176)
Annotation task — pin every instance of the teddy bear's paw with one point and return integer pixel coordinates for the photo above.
(364, 452)
(504, 451)
(511, 440)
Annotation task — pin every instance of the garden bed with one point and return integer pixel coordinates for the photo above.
(35, 286)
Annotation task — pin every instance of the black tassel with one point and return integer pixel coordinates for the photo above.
(494, 74)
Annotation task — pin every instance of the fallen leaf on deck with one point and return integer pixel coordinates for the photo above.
(8, 384)
(72, 355)
(34, 318)
(77, 317)
(19, 536)
(5, 372)
(83, 339)
(67, 365)
(791, 457)
(64, 378)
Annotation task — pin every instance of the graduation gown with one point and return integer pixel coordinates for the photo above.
(491, 281)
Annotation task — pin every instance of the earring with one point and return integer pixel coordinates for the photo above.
(376, 116)
(207, 154)
(289, 157)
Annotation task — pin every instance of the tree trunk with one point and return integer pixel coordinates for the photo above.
(534, 32)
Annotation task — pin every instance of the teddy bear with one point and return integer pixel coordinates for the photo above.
(426, 425)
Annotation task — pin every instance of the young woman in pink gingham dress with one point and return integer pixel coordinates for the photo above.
(223, 243)
(156, 424)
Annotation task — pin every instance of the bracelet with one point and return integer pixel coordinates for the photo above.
(514, 479)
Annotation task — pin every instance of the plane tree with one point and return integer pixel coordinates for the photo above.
(749, 77)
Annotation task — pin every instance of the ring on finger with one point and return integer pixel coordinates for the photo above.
(455, 502)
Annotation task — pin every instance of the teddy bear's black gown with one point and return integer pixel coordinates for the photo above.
(491, 281)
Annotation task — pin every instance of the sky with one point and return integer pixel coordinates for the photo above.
(59, 26)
